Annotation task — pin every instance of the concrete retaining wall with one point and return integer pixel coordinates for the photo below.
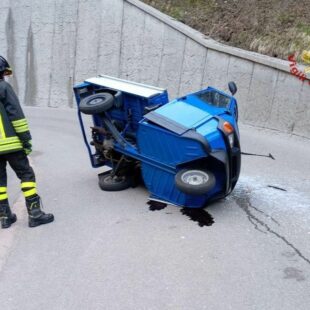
(53, 44)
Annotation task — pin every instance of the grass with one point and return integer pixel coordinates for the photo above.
(272, 27)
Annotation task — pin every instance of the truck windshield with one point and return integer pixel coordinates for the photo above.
(215, 99)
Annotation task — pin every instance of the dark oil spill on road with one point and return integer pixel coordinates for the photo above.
(156, 205)
(201, 216)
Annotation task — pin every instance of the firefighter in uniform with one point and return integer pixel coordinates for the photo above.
(15, 145)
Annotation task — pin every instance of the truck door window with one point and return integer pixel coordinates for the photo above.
(215, 99)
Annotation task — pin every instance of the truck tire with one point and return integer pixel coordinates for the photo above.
(96, 104)
(194, 181)
(113, 184)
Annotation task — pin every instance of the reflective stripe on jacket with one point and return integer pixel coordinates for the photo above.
(13, 125)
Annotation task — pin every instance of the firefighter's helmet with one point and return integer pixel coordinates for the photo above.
(5, 67)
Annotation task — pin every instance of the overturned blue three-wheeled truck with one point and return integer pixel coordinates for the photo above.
(186, 151)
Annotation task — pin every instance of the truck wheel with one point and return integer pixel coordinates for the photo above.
(113, 183)
(96, 104)
(194, 181)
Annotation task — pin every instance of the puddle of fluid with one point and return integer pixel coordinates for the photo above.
(156, 205)
(198, 215)
(201, 216)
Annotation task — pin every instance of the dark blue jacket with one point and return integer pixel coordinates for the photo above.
(14, 130)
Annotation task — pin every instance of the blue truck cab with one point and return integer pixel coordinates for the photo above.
(186, 151)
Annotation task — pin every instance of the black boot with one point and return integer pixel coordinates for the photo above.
(6, 215)
(36, 215)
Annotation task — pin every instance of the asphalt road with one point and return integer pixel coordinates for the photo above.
(108, 251)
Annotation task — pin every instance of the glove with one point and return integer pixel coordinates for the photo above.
(27, 145)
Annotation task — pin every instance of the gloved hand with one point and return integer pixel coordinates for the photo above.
(27, 145)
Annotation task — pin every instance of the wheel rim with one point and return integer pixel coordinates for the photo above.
(195, 177)
(95, 101)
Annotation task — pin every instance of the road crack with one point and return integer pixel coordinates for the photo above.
(244, 203)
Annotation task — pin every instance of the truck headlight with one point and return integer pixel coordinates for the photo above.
(231, 140)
